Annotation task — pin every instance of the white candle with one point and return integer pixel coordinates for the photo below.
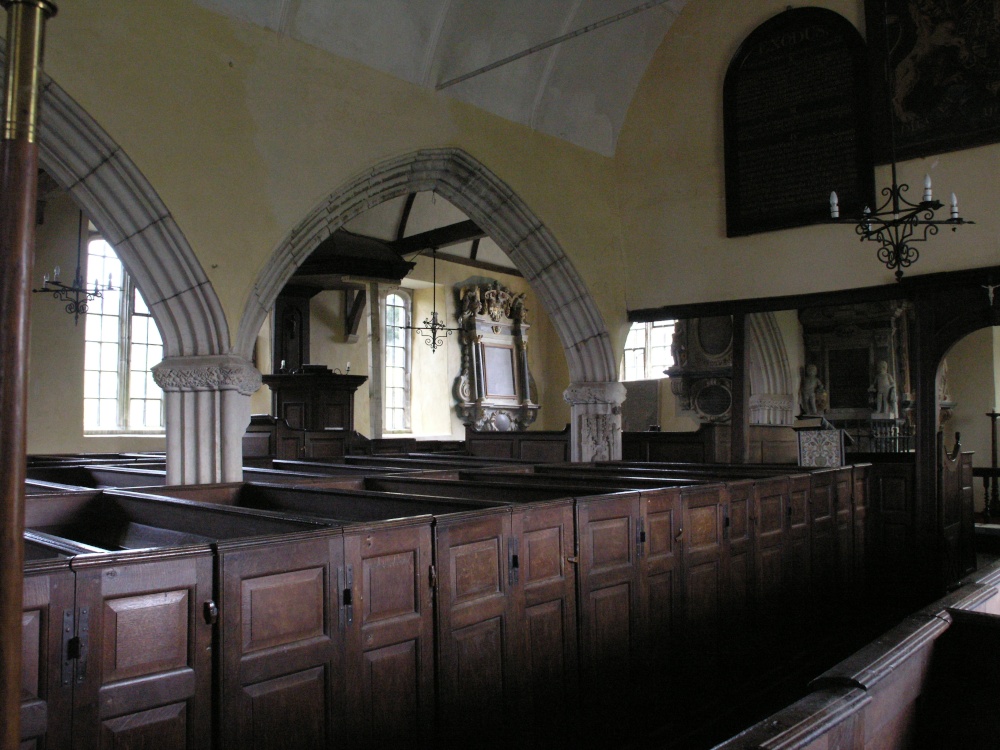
(928, 196)
(954, 206)
(834, 206)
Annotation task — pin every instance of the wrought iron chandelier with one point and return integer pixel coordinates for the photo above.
(76, 295)
(898, 223)
(433, 331)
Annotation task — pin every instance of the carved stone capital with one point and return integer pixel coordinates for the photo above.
(611, 393)
(210, 373)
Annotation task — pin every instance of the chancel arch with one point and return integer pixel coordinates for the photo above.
(206, 388)
(593, 393)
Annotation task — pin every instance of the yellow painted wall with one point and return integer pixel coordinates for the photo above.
(242, 131)
(670, 177)
(55, 368)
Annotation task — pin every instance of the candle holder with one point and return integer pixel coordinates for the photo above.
(76, 295)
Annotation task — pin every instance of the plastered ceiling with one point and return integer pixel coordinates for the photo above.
(578, 89)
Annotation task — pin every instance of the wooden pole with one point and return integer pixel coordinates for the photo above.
(18, 193)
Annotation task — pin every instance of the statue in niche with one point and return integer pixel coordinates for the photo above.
(883, 392)
(812, 393)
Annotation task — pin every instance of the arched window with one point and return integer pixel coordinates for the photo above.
(122, 344)
(397, 363)
(648, 350)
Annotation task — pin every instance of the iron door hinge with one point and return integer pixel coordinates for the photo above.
(345, 582)
(70, 647)
(640, 537)
(514, 564)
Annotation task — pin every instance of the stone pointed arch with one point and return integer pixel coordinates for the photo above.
(771, 397)
(126, 209)
(488, 201)
(207, 389)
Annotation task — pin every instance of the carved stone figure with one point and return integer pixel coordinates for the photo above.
(812, 392)
(883, 391)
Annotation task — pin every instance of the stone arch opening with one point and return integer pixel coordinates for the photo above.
(206, 388)
(594, 394)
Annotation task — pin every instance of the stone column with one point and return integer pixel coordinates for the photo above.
(208, 410)
(596, 413)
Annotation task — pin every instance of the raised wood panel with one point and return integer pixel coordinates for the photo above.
(282, 608)
(660, 574)
(544, 600)
(164, 727)
(281, 658)
(286, 712)
(610, 599)
(389, 662)
(610, 542)
(145, 634)
(610, 642)
(294, 413)
(705, 561)
(290, 447)
(392, 709)
(476, 635)
(738, 581)
(772, 505)
(476, 569)
(149, 648)
(798, 552)
(325, 446)
(823, 548)
(704, 588)
(844, 513)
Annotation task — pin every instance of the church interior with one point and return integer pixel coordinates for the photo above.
(412, 294)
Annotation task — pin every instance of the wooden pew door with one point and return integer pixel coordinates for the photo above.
(476, 633)
(660, 578)
(280, 641)
(47, 693)
(144, 673)
(705, 567)
(608, 536)
(543, 595)
(389, 635)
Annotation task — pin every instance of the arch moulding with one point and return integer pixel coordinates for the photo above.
(487, 200)
(206, 388)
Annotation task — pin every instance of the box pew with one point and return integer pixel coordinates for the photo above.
(100, 476)
(130, 658)
(432, 461)
(342, 506)
(568, 477)
(507, 625)
(329, 468)
(144, 618)
(48, 593)
(494, 490)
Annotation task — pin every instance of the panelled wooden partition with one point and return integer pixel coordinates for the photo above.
(314, 620)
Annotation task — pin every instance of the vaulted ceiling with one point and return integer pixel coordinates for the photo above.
(568, 68)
